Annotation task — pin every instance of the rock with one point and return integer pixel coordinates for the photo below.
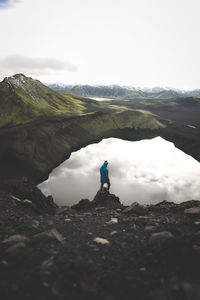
(47, 265)
(63, 210)
(136, 208)
(83, 204)
(192, 211)
(24, 189)
(191, 290)
(196, 248)
(161, 237)
(100, 208)
(106, 200)
(16, 247)
(35, 223)
(112, 221)
(67, 220)
(101, 241)
(113, 232)
(150, 228)
(27, 201)
(15, 238)
(15, 198)
(51, 234)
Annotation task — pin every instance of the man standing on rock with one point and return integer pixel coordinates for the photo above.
(104, 176)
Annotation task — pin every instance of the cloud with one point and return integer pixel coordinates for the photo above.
(162, 172)
(34, 66)
(8, 3)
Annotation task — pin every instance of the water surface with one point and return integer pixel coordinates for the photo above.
(147, 171)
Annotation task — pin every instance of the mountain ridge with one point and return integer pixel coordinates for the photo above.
(125, 92)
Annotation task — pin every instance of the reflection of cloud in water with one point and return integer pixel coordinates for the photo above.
(147, 171)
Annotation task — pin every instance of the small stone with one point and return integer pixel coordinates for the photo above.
(161, 237)
(15, 198)
(142, 269)
(47, 264)
(197, 222)
(136, 208)
(149, 228)
(16, 247)
(192, 211)
(196, 248)
(15, 238)
(101, 241)
(4, 262)
(118, 210)
(100, 208)
(35, 224)
(134, 226)
(45, 284)
(90, 233)
(113, 232)
(112, 221)
(51, 234)
(67, 220)
(27, 201)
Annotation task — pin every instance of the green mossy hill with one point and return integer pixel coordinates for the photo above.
(23, 99)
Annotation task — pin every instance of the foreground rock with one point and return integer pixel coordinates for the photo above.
(103, 199)
(101, 252)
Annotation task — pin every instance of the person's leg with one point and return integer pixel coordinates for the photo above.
(108, 183)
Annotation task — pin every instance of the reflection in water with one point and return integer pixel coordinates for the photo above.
(147, 171)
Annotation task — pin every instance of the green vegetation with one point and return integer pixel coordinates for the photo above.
(24, 99)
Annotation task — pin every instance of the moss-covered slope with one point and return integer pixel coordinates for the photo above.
(22, 99)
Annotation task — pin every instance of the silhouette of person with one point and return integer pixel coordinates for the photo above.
(104, 175)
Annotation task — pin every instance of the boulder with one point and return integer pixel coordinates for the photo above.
(161, 237)
(106, 200)
(136, 208)
(192, 211)
(83, 204)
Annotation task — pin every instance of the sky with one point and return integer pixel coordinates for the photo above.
(148, 172)
(142, 43)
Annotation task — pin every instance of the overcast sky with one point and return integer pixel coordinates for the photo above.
(148, 171)
(128, 42)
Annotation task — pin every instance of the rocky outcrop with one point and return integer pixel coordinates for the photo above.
(26, 193)
(102, 200)
(34, 149)
(99, 253)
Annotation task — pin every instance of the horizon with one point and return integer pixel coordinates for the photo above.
(106, 85)
(137, 43)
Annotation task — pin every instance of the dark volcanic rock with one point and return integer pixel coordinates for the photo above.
(161, 237)
(102, 200)
(136, 208)
(105, 199)
(25, 190)
(83, 204)
(99, 254)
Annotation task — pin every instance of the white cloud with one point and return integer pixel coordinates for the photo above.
(125, 42)
(34, 66)
(147, 171)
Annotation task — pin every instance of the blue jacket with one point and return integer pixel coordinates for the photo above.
(104, 174)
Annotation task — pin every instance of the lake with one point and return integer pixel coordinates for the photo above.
(147, 171)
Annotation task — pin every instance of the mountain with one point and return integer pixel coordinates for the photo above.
(23, 99)
(125, 92)
(60, 87)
